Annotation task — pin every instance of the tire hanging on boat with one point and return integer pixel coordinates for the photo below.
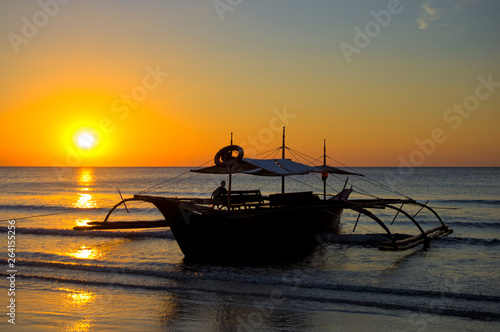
(224, 158)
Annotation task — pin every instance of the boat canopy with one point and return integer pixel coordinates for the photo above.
(272, 167)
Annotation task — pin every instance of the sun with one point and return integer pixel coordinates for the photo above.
(86, 139)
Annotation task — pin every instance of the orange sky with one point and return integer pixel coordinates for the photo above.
(165, 83)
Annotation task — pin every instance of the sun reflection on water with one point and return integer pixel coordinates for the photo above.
(85, 176)
(85, 179)
(85, 201)
(82, 221)
(77, 299)
(81, 325)
(86, 253)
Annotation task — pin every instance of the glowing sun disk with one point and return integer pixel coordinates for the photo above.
(86, 139)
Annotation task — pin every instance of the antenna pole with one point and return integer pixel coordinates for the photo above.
(283, 157)
(324, 152)
(324, 164)
(230, 182)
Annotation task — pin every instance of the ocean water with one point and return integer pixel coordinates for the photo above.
(133, 280)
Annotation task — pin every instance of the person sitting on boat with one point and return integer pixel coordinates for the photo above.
(219, 194)
(221, 191)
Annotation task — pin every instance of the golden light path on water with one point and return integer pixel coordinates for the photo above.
(85, 201)
(86, 253)
(81, 325)
(85, 176)
(77, 297)
(82, 221)
(78, 300)
(85, 179)
(74, 299)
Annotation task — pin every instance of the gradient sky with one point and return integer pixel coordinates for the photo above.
(164, 83)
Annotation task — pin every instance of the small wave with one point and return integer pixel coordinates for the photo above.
(481, 225)
(52, 208)
(264, 281)
(368, 240)
(373, 240)
(114, 274)
(96, 268)
(491, 202)
(475, 306)
(471, 241)
(94, 233)
(37, 207)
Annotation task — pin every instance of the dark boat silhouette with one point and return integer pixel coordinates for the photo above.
(247, 224)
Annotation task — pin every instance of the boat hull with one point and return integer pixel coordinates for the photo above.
(260, 233)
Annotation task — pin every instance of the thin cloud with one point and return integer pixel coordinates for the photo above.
(436, 14)
(429, 14)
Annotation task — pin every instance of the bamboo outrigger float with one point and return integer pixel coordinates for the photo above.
(240, 224)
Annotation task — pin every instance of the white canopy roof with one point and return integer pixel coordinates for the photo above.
(272, 167)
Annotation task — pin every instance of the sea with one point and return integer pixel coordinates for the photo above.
(59, 279)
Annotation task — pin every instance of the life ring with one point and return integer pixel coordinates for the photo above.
(224, 158)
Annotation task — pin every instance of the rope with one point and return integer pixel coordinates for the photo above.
(306, 184)
(161, 184)
(366, 230)
(45, 215)
(69, 210)
(373, 182)
(275, 150)
(56, 213)
(304, 156)
(310, 160)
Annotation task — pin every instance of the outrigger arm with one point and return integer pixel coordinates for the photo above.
(118, 204)
(407, 243)
(123, 224)
(377, 219)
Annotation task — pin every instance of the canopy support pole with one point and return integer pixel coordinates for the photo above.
(230, 175)
(324, 164)
(422, 232)
(401, 207)
(420, 209)
(283, 157)
(126, 208)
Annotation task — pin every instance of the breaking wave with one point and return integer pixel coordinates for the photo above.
(491, 202)
(94, 233)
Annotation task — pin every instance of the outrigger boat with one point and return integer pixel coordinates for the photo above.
(248, 224)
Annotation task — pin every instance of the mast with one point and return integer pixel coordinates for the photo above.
(230, 182)
(324, 176)
(283, 157)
